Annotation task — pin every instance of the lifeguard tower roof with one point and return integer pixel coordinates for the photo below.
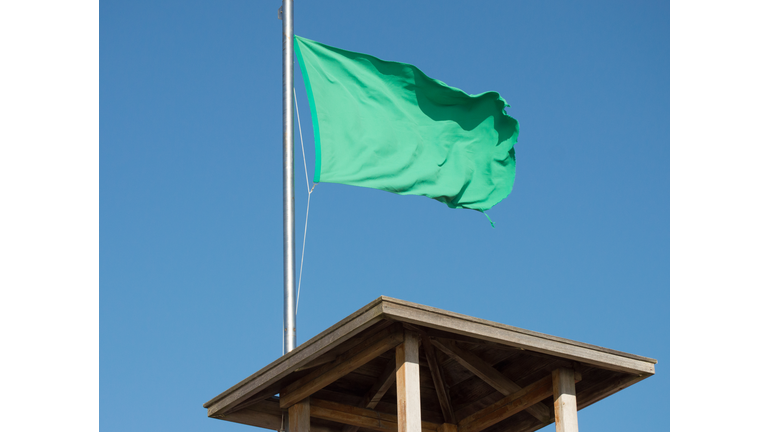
(397, 366)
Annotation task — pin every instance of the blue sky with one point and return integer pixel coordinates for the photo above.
(190, 193)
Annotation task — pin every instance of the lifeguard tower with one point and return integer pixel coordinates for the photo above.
(397, 366)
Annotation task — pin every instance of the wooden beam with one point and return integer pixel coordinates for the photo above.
(408, 391)
(447, 427)
(399, 310)
(606, 388)
(490, 375)
(361, 417)
(376, 392)
(266, 414)
(586, 397)
(329, 373)
(258, 397)
(365, 318)
(323, 359)
(510, 405)
(380, 388)
(255, 418)
(564, 393)
(439, 382)
(298, 417)
(352, 349)
(436, 372)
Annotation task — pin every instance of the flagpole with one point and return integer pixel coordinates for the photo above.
(289, 256)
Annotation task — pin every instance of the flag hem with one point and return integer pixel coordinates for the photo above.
(313, 111)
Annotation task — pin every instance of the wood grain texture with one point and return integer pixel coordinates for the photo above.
(337, 369)
(506, 354)
(564, 393)
(408, 387)
(511, 405)
(361, 417)
(380, 388)
(323, 359)
(376, 392)
(490, 375)
(266, 414)
(255, 418)
(606, 388)
(306, 352)
(258, 397)
(439, 382)
(417, 314)
(356, 348)
(508, 406)
(298, 416)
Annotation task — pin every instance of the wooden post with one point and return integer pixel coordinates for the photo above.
(564, 393)
(298, 416)
(408, 392)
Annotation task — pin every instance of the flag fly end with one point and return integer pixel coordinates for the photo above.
(493, 225)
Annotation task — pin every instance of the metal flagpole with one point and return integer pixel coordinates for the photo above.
(289, 256)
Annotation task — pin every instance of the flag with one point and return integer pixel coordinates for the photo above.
(386, 125)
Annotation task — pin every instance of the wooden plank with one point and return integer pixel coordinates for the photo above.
(376, 392)
(564, 394)
(357, 346)
(387, 405)
(298, 416)
(323, 359)
(255, 418)
(373, 369)
(490, 375)
(511, 405)
(439, 382)
(456, 374)
(258, 397)
(381, 387)
(408, 397)
(417, 314)
(434, 333)
(586, 397)
(606, 388)
(526, 370)
(528, 424)
(361, 417)
(508, 406)
(470, 395)
(447, 427)
(266, 415)
(338, 369)
(324, 342)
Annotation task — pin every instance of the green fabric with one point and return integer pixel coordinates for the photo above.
(386, 125)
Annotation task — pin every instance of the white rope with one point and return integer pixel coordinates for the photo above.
(301, 137)
(309, 196)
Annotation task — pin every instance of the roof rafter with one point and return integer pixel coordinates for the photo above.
(490, 375)
(343, 365)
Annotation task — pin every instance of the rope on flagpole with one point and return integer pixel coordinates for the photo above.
(309, 196)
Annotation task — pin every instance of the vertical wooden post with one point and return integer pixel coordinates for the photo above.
(298, 417)
(408, 392)
(564, 392)
(447, 427)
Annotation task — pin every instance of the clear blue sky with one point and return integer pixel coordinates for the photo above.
(190, 193)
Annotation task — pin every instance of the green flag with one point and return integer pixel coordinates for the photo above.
(386, 125)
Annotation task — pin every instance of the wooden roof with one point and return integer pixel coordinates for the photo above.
(466, 365)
